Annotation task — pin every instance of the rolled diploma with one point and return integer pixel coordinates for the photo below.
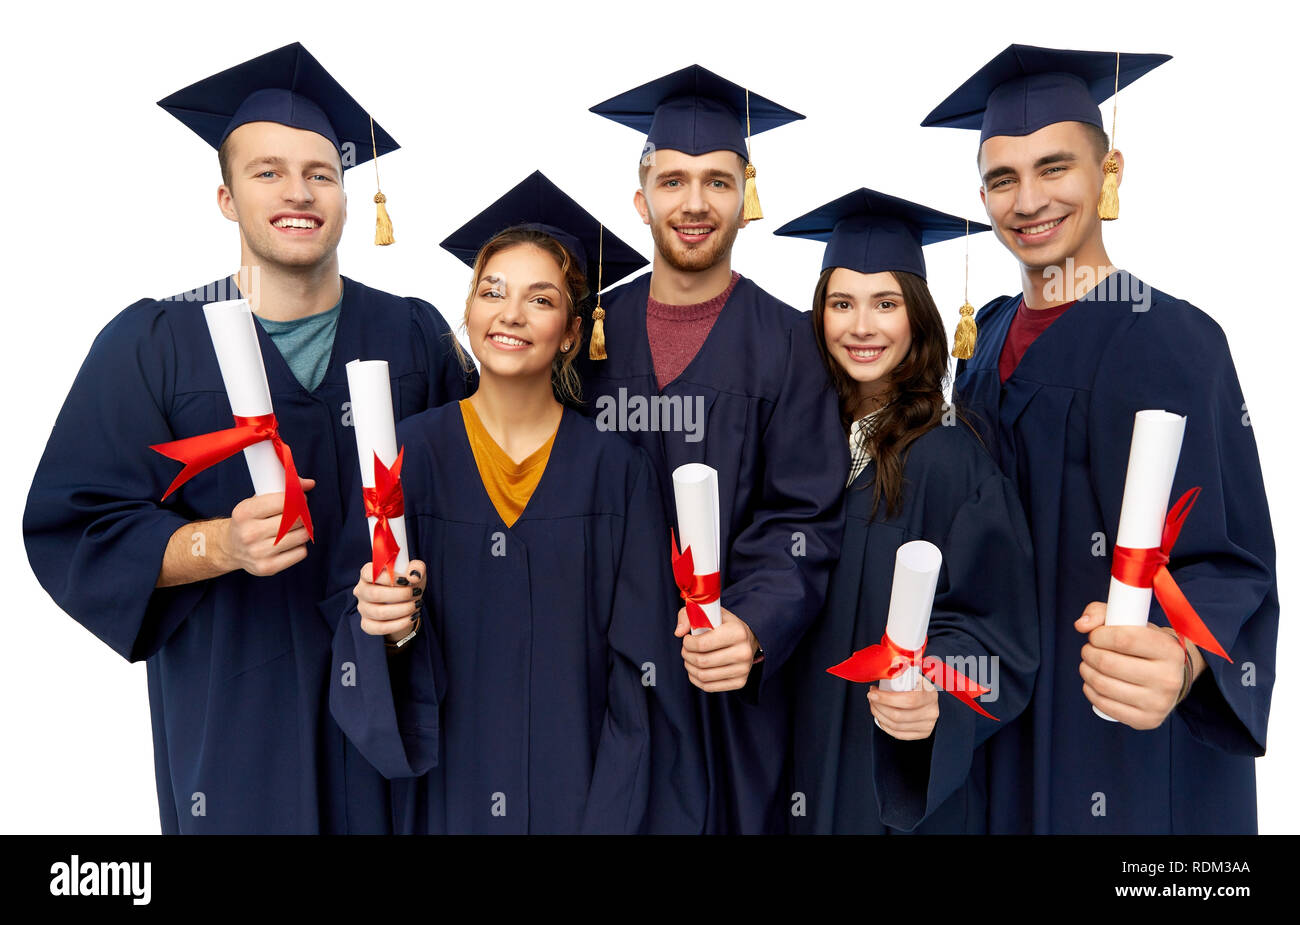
(234, 336)
(695, 491)
(1152, 461)
(372, 420)
(916, 573)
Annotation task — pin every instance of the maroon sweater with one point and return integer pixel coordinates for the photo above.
(677, 332)
(1024, 330)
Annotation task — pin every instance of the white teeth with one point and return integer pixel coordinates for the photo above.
(509, 341)
(295, 223)
(1039, 229)
(694, 230)
(865, 353)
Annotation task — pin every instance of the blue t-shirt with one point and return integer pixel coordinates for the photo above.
(306, 343)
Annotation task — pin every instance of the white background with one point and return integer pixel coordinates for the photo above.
(108, 199)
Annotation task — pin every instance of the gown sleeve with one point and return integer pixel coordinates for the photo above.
(649, 773)
(984, 608)
(387, 705)
(94, 527)
(448, 380)
(1224, 560)
(781, 561)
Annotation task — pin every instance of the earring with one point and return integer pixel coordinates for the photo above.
(567, 345)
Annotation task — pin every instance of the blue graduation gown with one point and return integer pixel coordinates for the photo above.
(854, 777)
(1061, 429)
(770, 426)
(237, 665)
(542, 692)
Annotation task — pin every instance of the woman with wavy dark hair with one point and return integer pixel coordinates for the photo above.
(878, 760)
(502, 686)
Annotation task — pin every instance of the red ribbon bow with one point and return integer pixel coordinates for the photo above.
(696, 589)
(1148, 568)
(886, 659)
(382, 502)
(204, 450)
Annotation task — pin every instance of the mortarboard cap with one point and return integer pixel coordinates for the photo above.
(695, 111)
(1026, 88)
(539, 204)
(290, 87)
(871, 232)
(287, 86)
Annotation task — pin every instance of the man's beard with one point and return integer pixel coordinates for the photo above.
(695, 259)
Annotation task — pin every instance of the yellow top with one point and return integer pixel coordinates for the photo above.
(508, 483)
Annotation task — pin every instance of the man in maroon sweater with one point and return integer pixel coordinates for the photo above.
(741, 370)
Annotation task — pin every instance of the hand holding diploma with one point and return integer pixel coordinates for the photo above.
(905, 715)
(247, 539)
(256, 431)
(1138, 682)
(720, 651)
(1134, 674)
(390, 609)
(899, 657)
(718, 659)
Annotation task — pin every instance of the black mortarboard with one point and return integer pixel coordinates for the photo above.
(872, 232)
(1026, 88)
(695, 111)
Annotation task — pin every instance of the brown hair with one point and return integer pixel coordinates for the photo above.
(564, 378)
(223, 158)
(1100, 142)
(915, 399)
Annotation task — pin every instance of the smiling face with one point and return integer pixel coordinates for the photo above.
(1041, 191)
(693, 206)
(519, 315)
(865, 327)
(286, 193)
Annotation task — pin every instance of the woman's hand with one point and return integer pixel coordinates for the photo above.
(906, 714)
(390, 610)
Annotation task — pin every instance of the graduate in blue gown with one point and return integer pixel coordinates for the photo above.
(701, 365)
(227, 620)
(905, 760)
(529, 681)
(1056, 376)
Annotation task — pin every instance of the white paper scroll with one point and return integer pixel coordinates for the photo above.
(695, 490)
(372, 420)
(1152, 461)
(916, 573)
(234, 335)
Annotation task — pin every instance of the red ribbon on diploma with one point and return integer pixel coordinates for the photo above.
(382, 502)
(1148, 568)
(198, 453)
(886, 659)
(696, 589)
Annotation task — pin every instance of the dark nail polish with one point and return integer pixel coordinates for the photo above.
(416, 574)
(416, 592)
(403, 582)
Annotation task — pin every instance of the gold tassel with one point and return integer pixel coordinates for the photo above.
(383, 224)
(597, 349)
(1108, 204)
(963, 339)
(752, 209)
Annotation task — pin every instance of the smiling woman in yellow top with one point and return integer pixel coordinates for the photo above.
(521, 705)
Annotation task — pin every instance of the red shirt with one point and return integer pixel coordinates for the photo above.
(677, 332)
(1025, 328)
